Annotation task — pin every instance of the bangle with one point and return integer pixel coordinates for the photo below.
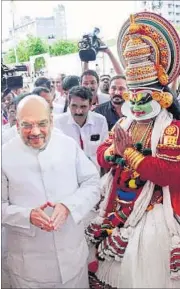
(133, 157)
(130, 153)
(136, 161)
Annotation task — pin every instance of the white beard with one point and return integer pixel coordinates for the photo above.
(156, 108)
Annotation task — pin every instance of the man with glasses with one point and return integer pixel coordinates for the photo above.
(49, 186)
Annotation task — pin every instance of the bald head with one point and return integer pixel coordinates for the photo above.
(34, 121)
(32, 105)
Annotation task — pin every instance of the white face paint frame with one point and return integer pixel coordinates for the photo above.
(126, 111)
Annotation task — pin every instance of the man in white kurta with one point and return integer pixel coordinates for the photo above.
(49, 186)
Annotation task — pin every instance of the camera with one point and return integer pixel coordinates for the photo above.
(90, 45)
(8, 78)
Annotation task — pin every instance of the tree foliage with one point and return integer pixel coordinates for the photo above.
(63, 47)
(21, 51)
(35, 46)
(10, 57)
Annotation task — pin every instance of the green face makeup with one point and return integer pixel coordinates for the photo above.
(140, 105)
(138, 109)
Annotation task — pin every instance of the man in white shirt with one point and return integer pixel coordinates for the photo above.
(57, 80)
(90, 79)
(59, 98)
(48, 187)
(88, 128)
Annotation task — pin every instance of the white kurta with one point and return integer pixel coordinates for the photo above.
(60, 174)
(95, 126)
(8, 134)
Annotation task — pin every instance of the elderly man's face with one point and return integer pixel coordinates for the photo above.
(34, 125)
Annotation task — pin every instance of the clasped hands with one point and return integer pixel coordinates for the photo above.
(40, 219)
(122, 140)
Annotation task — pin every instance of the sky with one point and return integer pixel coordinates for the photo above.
(81, 16)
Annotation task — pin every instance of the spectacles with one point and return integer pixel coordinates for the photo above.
(29, 126)
(55, 82)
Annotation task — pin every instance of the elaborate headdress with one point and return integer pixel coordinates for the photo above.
(149, 50)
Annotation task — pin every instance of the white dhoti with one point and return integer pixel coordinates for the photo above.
(146, 262)
(80, 281)
(5, 278)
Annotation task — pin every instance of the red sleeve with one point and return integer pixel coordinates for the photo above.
(100, 156)
(160, 172)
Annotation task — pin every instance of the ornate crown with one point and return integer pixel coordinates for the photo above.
(149, 49)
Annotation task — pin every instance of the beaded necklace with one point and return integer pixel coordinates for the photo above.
(136, 131)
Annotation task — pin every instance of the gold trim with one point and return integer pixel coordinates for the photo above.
(168, 146)
(169, 158)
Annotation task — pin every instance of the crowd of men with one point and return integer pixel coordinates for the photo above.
(62, 142)
(72, 103)
(84, 108)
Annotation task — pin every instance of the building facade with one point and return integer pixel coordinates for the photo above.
(169, 9)
(48, 28)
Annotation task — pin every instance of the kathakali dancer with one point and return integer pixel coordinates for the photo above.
(135, 239)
